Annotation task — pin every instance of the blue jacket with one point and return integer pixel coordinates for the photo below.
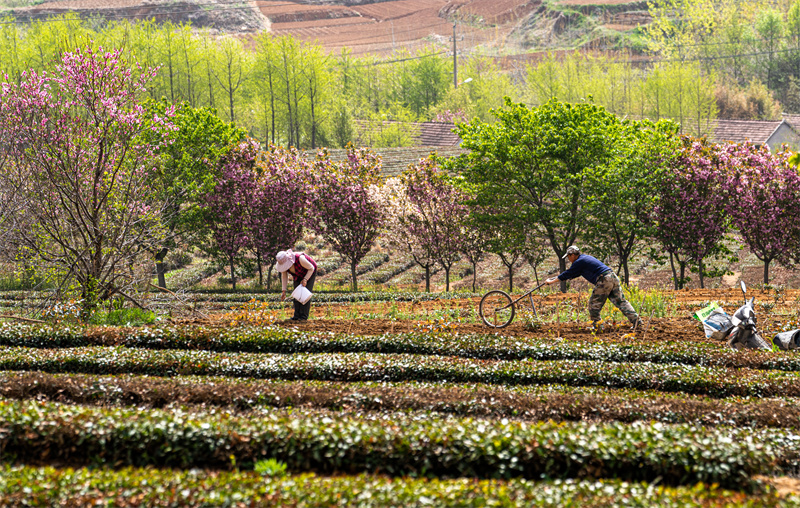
(586, 265)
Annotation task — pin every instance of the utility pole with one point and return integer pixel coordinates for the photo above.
(455, 58)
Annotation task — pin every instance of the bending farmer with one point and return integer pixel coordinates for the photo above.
(304, 272)
(606, 285)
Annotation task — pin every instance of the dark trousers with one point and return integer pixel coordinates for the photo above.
(300, 310)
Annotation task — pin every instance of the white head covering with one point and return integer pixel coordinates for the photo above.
(285, 260)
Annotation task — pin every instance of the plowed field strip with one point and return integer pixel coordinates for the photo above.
(330, 24)
(487, 401)
(400, 8)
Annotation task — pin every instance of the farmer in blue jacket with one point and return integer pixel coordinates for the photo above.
(606, 286)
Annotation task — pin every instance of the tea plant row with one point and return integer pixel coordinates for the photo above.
(692, 379)
(156, 488)
(394, 444)
(530, 403)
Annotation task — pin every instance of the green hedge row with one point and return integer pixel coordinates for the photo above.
(393, 444)
(712, 381)
(274, 339)
(547, 402)
(133, 487)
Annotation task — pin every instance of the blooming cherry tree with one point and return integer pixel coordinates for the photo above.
(276, 211)
(398, 210)
(690, 219)
(762, 193)
(439, 213)
(228, 204)
(342, 210)
(79, 161)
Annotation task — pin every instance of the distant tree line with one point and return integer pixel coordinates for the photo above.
(98, 181)
(706, 60)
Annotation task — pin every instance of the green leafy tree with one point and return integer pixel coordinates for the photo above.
(621, 192)
(183, 177)
(532, 165)
(770, 28)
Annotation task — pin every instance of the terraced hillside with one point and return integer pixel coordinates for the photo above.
(380, 27)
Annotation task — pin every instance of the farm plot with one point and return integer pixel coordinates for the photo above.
(271, 411)
(384, 27)
(420, 405)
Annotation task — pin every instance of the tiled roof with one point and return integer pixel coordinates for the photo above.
(396, 160)
(738, 131)
(793, 120)
(437, 134)
(426, 133)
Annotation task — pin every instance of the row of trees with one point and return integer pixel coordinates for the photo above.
(740, 41)
(577, 172)
(281, 90)
(541, 179)
(287, 92)
(96, 182)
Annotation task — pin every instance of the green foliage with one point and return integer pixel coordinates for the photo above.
(123, 317)
(270, 467)
(531, 166)
(48, 486)
(676, 455)
(620, 192)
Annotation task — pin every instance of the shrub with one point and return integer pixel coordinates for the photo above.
(123, 317)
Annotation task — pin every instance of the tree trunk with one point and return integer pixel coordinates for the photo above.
(269, 278)
(701, 274)
(626, 271)
(447, 279)
(353, 273)
(474, 274)
(535, 274)
(260, 270)
(562, 267)
(160, 271)
(674, 273)
(233, 274)
(427, 278)
(683, 272)
(767, 261)
(510, 277)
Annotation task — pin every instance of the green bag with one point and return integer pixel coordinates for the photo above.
(702, 314)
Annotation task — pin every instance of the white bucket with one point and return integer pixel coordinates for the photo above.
(302, 294)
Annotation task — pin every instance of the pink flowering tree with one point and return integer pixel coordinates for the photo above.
(762, 194)
(227, 206)
(438, 213)
(398, 211)
(342, 210)
(78, 159)
(276, 211)
(689, 217)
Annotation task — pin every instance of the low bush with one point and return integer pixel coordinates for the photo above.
(395, 444)
(123, 317)
(692, 379)
(134, 487)
(531, 403)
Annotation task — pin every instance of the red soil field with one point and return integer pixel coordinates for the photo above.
(398, 24)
